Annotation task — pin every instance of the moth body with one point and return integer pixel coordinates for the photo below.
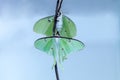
(59, 23)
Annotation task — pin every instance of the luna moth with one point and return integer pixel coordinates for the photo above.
(59, 31)
(45, 26)
(58, 46)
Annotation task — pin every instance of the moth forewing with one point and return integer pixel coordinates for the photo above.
(44, 26)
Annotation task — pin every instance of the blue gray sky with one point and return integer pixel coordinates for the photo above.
(97, 23)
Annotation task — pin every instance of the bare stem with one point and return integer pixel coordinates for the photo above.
(57, 11)
(56, 72)
(58, 7)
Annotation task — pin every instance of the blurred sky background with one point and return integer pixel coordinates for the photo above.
(98, 25)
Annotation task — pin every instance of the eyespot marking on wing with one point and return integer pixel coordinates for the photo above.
(51, 48)
(45, 40)
(62, 49)
(49, 20)
(69, 40)
(65, 31)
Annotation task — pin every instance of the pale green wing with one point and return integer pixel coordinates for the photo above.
(70, 45)
(65, 46)
(44, 26)
(46, 45)
(68, 28)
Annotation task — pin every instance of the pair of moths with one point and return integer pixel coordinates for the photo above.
(61, 45)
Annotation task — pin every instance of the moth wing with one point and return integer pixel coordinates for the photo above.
(46, 45)
(68, 46)
(69, 28)
(44, 26)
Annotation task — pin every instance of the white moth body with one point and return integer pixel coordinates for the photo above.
(58, 28)
(57, 42)
(59, 23)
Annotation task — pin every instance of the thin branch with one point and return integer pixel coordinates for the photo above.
(56, 72)
(60, 5)
(57, 11)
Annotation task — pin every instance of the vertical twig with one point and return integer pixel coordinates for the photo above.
(57, 11)
(56, 72)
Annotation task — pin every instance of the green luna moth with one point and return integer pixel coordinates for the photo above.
(59, 31)
(45, 26)
(58, 46)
